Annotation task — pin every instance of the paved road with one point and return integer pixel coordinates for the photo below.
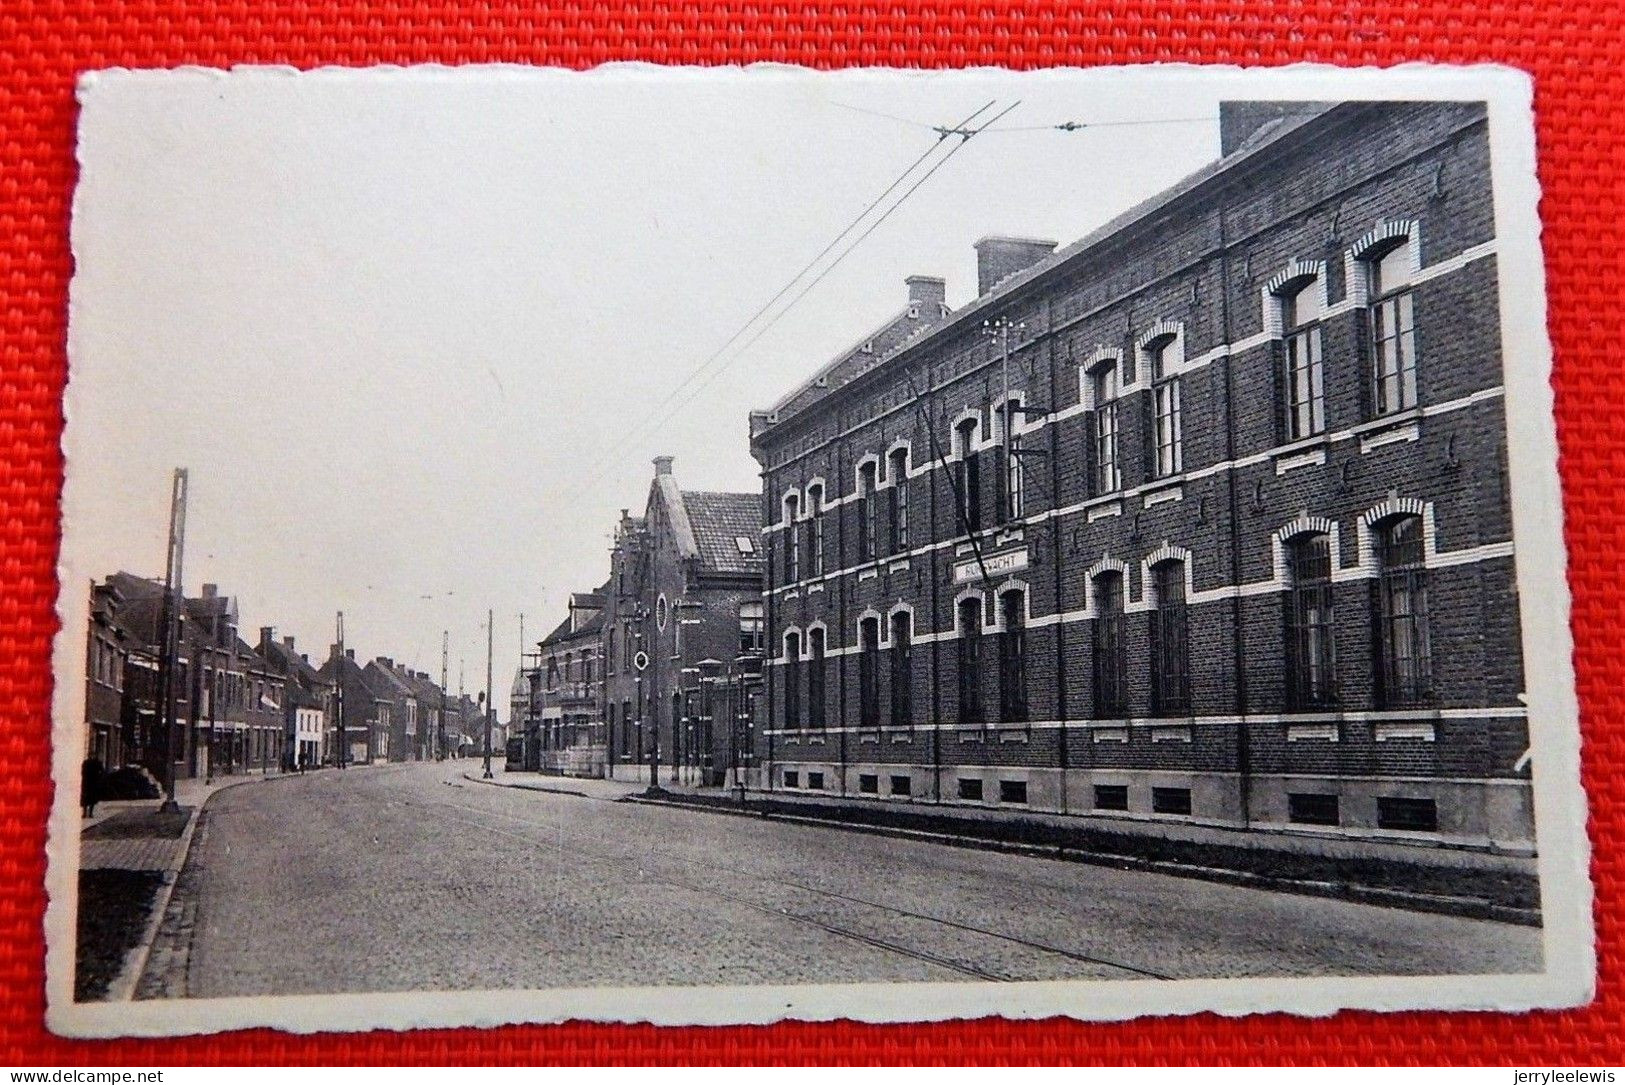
(410, 877)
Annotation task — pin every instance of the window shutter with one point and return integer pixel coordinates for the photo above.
(1281, 384)
(1091, 442)
(1156, 660)
(1148, 442)
(1379, 654)
(1365, 362)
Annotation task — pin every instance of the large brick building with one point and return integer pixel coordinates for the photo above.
(1202, 518)
(682, 613)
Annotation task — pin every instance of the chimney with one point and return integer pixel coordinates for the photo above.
(267, 634)
(210, 591)
(998, 258)
(349, 653)
(1239, 122)
(386, 663)
(663, 465)
(928, 293)
(332, 651)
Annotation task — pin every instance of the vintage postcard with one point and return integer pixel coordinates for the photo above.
(724, 545)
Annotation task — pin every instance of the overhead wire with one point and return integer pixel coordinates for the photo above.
(650, 415)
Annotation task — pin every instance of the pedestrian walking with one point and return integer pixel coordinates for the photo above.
(90, 785)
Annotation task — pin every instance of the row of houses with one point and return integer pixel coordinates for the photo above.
(1202, 518)
(242, 707)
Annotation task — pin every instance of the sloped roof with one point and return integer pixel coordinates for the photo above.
(716, 523)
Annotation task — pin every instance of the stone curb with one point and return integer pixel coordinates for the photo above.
(1464, 907)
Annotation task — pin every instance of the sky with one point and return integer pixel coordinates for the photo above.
(408, 331)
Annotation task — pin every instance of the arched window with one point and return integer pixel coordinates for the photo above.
(1010, 469)
(1110, 654)
(1393, 326)
(792, 681)
(815, 511)
(869, 672)
(1406, 665)
(970, 662)
(1170, 642)
(1168, 457)
(868, 482)
(815, 678)
(1311, 661)
(1013, 658)
(968, 478)
(1104, 387)
(898, 520)
(1303, 404)
(902, 672)
(792, 540)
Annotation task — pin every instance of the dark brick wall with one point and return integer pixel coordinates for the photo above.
(1202, 264)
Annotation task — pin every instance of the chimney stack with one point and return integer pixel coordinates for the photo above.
(287, 642)
(663, 465)
(998, 258)
(349, 653)
(928, 292)
(267, 634)
(210, 591)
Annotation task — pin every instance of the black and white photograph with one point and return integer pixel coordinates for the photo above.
(712, 546)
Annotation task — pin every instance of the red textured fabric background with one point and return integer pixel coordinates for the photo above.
(1576, 51)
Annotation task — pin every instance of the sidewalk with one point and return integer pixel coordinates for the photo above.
(586, 787)
(130, 856)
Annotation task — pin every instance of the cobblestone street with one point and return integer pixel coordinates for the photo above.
(412, 877)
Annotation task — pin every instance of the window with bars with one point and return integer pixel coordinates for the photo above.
(968, 478)
(970, 662)
(792, 681)
(1167, 427)
(1170, 642)
(1013, 658)
(1304, 381)
(902, 671)
(1393, 330)
(815, 679)
(815, 528)
(1111, 686)
(1310, 631)
(869, 673)
(898, 495)
(1106, 475)
(868, 477)
(1406, 671)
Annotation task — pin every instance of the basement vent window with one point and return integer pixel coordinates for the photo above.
(902, 785)
(868, 783)
(815, 781)
(1305, 808)
(1111, 797)
(792, 779)
(970, 789)
(1171, 800)
(1013, 791)
(1408, 815)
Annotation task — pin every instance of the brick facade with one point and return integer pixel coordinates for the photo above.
(1275, 391)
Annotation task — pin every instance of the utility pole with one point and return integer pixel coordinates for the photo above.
(169, 620)
(490, 640)
(440, 736)
(341, 754)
